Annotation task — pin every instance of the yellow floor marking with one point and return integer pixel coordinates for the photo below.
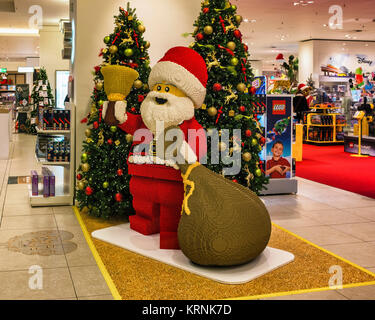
(117, 296)
(97, 258)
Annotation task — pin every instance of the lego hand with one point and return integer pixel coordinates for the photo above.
(114, 112)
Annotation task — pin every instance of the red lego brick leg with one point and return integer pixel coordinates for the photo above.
(146, 220)
(169, 219)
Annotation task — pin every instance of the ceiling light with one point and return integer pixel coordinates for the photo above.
(18, 31)
(246, 20)
(253, 20)
(25, 69)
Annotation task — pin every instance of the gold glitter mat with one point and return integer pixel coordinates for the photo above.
(133, 277)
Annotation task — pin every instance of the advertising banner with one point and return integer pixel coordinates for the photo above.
(279, 137)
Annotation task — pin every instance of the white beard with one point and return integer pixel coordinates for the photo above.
(172, 113)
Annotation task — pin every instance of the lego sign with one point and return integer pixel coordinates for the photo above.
(279, 107)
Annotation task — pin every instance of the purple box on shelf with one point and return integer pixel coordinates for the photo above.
(45, 182)
(34, 183)
(52, 183)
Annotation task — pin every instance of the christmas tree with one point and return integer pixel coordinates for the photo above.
(41, 98)
(103, 180)
(230, 97)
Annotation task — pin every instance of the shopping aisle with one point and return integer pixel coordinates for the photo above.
(72, 273)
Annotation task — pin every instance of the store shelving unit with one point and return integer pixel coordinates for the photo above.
(64, 171)
(325, 110)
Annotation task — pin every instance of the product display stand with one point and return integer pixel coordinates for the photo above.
(63, 171)
(359, 116)
(320, 134)
(5, 133)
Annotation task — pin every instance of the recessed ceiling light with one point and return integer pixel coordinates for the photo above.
(253, 20)
(246, 20)
(18, 31)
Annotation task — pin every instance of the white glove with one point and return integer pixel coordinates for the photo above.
(120, 111)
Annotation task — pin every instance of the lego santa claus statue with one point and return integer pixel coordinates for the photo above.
(178, 86)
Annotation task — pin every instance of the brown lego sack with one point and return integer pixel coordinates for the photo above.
(222, 222)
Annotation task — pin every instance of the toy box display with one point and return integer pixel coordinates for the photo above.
(56, 119)
(44, 183)
(53, 149)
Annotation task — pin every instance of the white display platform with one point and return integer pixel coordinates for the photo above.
(148, 246)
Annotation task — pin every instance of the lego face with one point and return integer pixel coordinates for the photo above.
(168, 88)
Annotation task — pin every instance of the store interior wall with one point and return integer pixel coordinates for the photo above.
(314, 54)
(306, 61)
(165, 22)
(51, 44)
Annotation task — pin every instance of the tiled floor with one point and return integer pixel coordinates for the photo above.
(73, 275)
(337, 220)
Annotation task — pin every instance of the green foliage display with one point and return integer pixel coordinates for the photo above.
(229, 99)
(291, 69)
(37, 100)
(102, 179)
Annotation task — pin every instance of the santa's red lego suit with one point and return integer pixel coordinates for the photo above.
(157, 189)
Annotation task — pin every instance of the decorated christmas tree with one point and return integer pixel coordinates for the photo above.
(102, 179)
(230, 96)
(41, 98)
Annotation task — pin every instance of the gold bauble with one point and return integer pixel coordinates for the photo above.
(80, 185)
(147, 45)
(88, 133)
(129, 138)
(203, 107)
(246, 156)
(113, 49)
(196, 29)
(208, 30)
(141, 28)
(85, 167)
(231, 45)
(241, 87)
(231, 113)
(85, 210)
(145, 87)
(222, 146)
(130, 18)
(138, 84)
(212, 111)
(99, 86)
(238, 18)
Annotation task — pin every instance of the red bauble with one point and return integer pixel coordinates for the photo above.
(79, 176)
(141, 98)
(242, 109)
(89, 191)
(235, 180)
(245, 47)
(217, 87)
(206, 10)
(109, 141)
(120, 172)
(118, 197)
(248, 133)
(199, 36)
(237, 34)
(133, 109)
(262, 140)
(96, 125)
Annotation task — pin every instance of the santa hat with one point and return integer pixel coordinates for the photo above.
(302, 87)
(184, 68)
